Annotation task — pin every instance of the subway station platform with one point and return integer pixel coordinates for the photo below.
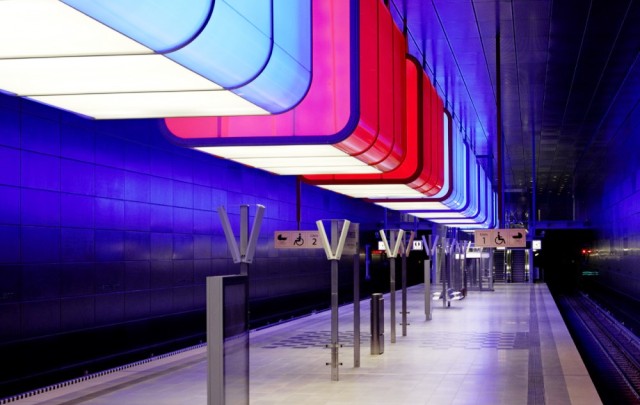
(508, 346)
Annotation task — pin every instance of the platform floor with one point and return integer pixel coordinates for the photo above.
(509, 346)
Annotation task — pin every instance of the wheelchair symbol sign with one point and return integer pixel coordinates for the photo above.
(297, 240)
(500, 238)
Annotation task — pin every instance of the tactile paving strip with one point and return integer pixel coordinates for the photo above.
(436, 340)
(317, 339)
(474, 340)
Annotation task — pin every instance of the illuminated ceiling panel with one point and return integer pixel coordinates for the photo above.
(422, 158)
(452, 195)
(374, 190)
(312, 158)
(355, 103)
(471, 188)
(477, 214)
(492, 219)
(153, 56)
(470, 203)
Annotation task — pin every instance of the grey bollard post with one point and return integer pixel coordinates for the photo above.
(356, 310)
(377, 323)
(427, 289)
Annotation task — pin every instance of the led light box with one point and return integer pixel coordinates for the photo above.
(118, 59)
(352, 113)
(423, 156)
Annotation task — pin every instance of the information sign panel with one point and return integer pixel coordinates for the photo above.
(512, 238)
(297, 240)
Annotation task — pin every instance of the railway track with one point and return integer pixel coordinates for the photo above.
(613, 351)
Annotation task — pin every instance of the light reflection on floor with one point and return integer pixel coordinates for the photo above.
(479, 351)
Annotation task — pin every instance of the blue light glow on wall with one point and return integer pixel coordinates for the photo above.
(106, 222)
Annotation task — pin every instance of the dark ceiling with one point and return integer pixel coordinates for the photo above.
(569, 78)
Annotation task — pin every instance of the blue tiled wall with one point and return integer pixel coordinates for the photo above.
(104, 223)
(614, 209)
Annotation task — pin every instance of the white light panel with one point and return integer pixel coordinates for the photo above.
(98, 74)
(296, 161)
(293, 159)
(238, 152)
(460, 221)
(154, 104)
(436, 215)
(364, 169)
(374, 190)
(46, 28)
(413, 206)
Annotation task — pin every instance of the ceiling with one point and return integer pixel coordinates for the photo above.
(569, 76)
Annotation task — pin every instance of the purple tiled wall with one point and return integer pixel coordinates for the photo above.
(106, 222)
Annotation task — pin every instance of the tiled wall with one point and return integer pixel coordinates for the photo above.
(615, 210)
(103, 223)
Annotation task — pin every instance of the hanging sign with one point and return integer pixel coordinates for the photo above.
(297, 240)
(511, 238)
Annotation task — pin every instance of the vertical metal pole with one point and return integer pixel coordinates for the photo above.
(404, 292)
(427, 289)
(491, 268)
(298, 201)
(392, 293)
(392, 281)
(450, 270)
(463, 254)
(367, 261)
(392, 287)
(215, 340)
(443, 275)
(356, 309)
(499, 139)
(434, 264)
(334, 304)
(479, 264)
(530, 264)
(534, 187)
(452, 267)
(244, 238)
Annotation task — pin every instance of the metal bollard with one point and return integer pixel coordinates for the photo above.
(377, 324)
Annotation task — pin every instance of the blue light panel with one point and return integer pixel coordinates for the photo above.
(288, 72)
(490, 218)
(230, 50)
(456, 200)
(477, 212)
(259, 50)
